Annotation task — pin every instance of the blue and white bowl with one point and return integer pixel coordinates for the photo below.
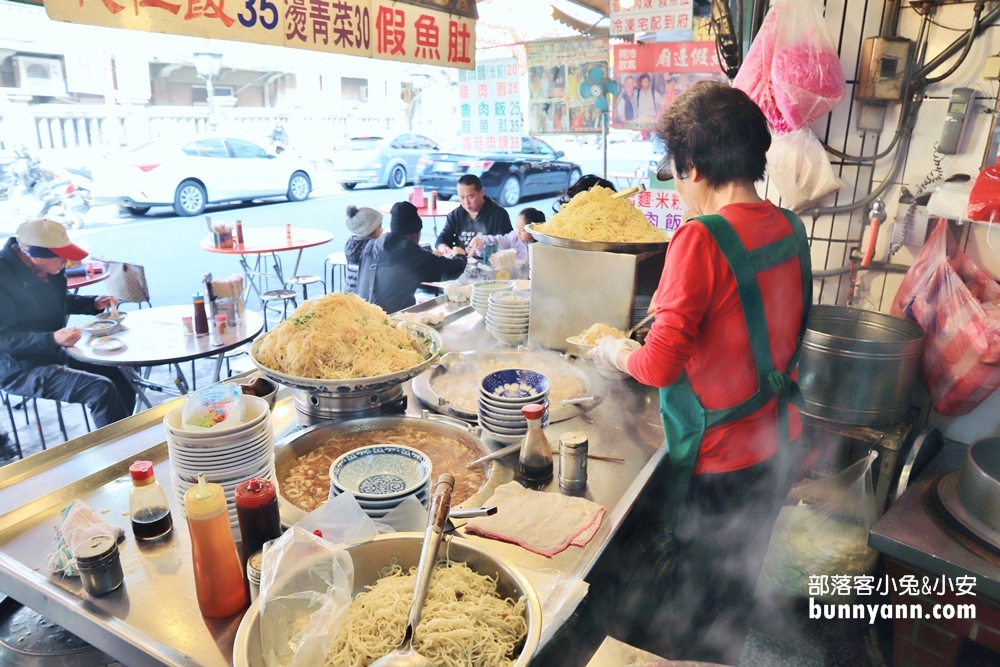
(505, 412)
(381, 472)
(514, 386)
(422, 494)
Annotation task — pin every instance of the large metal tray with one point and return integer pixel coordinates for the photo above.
(461, 361)
(596, 246)
(359, 385)
(450, 311)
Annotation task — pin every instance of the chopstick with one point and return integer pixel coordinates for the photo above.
(510, 449)
(599, 457)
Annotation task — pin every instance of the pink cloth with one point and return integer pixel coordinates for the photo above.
(545, 523)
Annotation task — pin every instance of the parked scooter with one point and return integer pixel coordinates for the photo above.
(39, 192)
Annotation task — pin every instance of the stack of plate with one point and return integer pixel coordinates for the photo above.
(482, 290)
(380, 477)
(227, 455)
(507, 316)
(502, 395)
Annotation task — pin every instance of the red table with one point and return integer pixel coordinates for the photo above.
(260, 241)
(76, 282)
(442, 211)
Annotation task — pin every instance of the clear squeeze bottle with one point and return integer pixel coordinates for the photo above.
(147, 503)
(536, 454)
(218, 578)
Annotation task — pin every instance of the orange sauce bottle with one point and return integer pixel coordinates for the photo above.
(218, 577)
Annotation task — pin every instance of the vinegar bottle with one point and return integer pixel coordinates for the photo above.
(147, 503)
(218, 578)
(536, 454)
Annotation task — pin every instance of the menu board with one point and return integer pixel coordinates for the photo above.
(651, 16)
(663, 208)
(559, 102)
(490, 105)
(369, 28)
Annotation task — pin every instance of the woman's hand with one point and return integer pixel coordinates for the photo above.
(611, 354)
(475, 244)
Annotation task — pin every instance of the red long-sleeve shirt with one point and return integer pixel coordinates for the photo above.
(700, 330)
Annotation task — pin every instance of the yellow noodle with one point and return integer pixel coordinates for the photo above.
(594, 216)
(599, 331)
(464, 623)
(338, 337)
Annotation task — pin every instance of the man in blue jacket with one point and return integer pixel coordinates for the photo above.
(34, 306)
(393, 265)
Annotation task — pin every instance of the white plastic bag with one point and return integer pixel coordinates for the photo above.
(800, 168)
(827, 537)
(305, 591)
(215, 405)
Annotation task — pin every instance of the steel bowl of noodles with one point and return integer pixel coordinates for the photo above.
(372, 556)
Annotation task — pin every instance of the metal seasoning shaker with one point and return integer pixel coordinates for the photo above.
(99, 564)
(535, 459)
(200, 315)
(257, 512)
(218, 577)
(147, 503)
(573, 448)
(253, 574)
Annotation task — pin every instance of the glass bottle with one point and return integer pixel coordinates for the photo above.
(147, 504)
(200, 316)
(257, 512)
(536, 455)
(218, 577)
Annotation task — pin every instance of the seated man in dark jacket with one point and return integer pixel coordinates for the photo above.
(33, 333)
(393, 265)
(478, 215)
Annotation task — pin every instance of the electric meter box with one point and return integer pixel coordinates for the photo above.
(885, 65)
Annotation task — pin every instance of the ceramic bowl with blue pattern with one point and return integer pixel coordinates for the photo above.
(513, 385)
(381, 472)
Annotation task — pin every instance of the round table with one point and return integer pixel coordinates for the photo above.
(155, 337)
(74, 283)
(260, 241)
(442, 211)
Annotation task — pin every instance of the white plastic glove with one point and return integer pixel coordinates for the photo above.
(605, 355)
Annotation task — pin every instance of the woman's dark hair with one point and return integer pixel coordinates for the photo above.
(583, 183)
(719, 131)
(532, 215)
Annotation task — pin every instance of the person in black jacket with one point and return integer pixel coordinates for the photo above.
(393, 265)
(34, 306)
(478, 215)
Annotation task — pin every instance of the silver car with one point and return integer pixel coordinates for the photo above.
(380, 161)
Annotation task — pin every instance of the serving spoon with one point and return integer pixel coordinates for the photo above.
(404, 655)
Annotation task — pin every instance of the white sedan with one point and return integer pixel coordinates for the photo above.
(190, 175)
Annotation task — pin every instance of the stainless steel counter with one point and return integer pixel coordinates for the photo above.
(915, 532)
(154, 619)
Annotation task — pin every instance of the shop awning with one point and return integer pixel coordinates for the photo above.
(602, 7)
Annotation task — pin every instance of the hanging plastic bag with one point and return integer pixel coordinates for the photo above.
(824, 536)
(984, 200)
(305, 591)
(800, 168)
(957, 304)
(792, 69)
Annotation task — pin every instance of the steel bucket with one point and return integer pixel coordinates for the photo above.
(370, 556)
(858, 366)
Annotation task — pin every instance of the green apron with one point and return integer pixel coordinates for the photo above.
(685, 420)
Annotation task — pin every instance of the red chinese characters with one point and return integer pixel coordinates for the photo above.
(296, 17)
(458, 42)
(158, 4)
(390, 31)
(428, 37)
(319, 15)
(209, 9)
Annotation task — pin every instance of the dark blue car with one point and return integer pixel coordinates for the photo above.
(507, 176)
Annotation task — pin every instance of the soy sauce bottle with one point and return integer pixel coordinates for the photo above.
(147, 504)
(536, 454)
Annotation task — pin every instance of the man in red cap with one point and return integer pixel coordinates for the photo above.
(34, 306)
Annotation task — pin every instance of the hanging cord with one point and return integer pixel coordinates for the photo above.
(977, 15)
(935, 176)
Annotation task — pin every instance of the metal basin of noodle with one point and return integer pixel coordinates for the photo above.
(430, 342)
(596, 246)
(370, 556)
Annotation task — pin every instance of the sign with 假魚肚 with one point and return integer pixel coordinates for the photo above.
(369, 28)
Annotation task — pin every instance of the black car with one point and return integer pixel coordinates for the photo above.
(535, 169)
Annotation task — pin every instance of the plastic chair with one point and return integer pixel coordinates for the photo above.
(273, 296)
(305, 281)
(337, 262)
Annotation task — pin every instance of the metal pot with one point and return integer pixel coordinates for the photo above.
(979, 481)
(370, 556)
(302, 442)
(858, 366)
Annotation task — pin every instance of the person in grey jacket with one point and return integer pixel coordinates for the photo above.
(393, 265)
(365, 225)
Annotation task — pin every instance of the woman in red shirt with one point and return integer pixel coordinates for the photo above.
(730, 312)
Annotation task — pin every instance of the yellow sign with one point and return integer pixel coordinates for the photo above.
(369, 28)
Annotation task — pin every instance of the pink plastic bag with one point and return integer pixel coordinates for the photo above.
(957, 304)
(792, 70)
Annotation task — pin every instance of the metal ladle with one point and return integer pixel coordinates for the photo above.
(404, 655)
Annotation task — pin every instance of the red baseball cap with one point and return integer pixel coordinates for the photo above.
(48, 238)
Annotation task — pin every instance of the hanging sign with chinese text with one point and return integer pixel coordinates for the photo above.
(557, 72)
(466, 8)
(663, 208)
(651, 16)
(490, 104)
(651, 76)
(368, 28)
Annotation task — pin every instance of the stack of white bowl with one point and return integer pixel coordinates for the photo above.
(502, 394)
(227, 455)
(482, 290)
(507, 316)
(380, 477)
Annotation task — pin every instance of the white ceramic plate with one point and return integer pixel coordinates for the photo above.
(107, 344)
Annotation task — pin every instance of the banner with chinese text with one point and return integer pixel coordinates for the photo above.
(651, 76)
(490, 104)
(663, 208)
(366, 28)
(651, 16)
(556, 71)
